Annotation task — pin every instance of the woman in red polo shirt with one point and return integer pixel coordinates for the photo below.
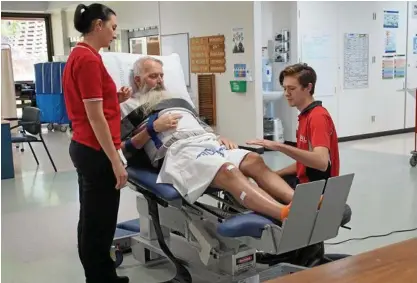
(92, 103)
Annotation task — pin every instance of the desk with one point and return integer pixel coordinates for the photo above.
(7, 166)
(396, 263)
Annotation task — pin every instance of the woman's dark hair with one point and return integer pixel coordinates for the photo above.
(84, 16)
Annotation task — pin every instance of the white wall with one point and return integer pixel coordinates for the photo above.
(352, 110)
(24, 6)
(384, 105)
(204, 19)
(137, 14)
(267, 8)
(231, 121)
(277, 16)
(59, 32)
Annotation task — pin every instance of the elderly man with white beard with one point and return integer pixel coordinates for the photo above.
(189, 155)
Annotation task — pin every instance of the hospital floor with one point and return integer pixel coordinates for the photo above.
(40, 209)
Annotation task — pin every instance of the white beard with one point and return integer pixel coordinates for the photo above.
(151, 99)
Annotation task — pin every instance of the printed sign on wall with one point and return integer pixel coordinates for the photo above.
(240, 70)
(415, 44)
(391, 19)
(414, 10)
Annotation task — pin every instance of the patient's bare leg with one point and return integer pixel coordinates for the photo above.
(231, 179)
(254, 166)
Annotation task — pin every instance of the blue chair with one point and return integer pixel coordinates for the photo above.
(30, 124)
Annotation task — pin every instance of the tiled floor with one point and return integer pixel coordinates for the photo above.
(40, 208)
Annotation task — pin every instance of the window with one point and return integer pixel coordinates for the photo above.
(30, 39)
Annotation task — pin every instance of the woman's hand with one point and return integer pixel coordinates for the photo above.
(166, 122)
(124, 94)
(120, 174)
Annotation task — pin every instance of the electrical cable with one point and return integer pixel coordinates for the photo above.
(372, 236)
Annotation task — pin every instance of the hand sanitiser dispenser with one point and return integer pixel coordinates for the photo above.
(266, 75)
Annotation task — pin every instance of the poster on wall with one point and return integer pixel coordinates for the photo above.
(356, 61)
(316, 46)
(238, 40)
(415, 44)
(390, 41)
(239, 70)
(387, 67)
(391, 19)
(414, 10)
(399, 66)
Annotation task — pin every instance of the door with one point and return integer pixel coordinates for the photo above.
(391, 42)
(411, 79)
(138, 45)
(356, 42)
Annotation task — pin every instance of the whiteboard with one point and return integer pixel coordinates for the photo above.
(319, 51)
(178, 43)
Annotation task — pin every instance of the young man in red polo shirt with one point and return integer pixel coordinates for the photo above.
(317, 151)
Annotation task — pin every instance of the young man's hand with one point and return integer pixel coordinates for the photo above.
(272, 145)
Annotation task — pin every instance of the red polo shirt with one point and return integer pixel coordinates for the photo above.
(86, 78)
(316, 128)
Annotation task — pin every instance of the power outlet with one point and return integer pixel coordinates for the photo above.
(373, 119)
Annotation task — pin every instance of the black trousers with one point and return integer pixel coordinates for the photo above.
(291, 180)
(99, 205)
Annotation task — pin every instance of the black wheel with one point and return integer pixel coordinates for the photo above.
(413, 161)
(50, 126)
(117, 256)
(22, 150)
(63, 128)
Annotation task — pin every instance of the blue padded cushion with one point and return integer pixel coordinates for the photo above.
(250, 225)
(244, 225)
(131, 225)
(123, 233)
(147, 179)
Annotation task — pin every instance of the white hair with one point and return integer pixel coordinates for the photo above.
(138, 66)
(137, 70)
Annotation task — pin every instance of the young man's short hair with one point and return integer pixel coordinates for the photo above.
(304, 73)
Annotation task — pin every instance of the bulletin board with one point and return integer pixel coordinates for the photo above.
(178, 43)
(208, 54)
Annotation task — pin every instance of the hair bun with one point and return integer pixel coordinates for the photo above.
(84, 16)
(81, 23)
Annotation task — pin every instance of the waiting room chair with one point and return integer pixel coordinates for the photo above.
(31, 132)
